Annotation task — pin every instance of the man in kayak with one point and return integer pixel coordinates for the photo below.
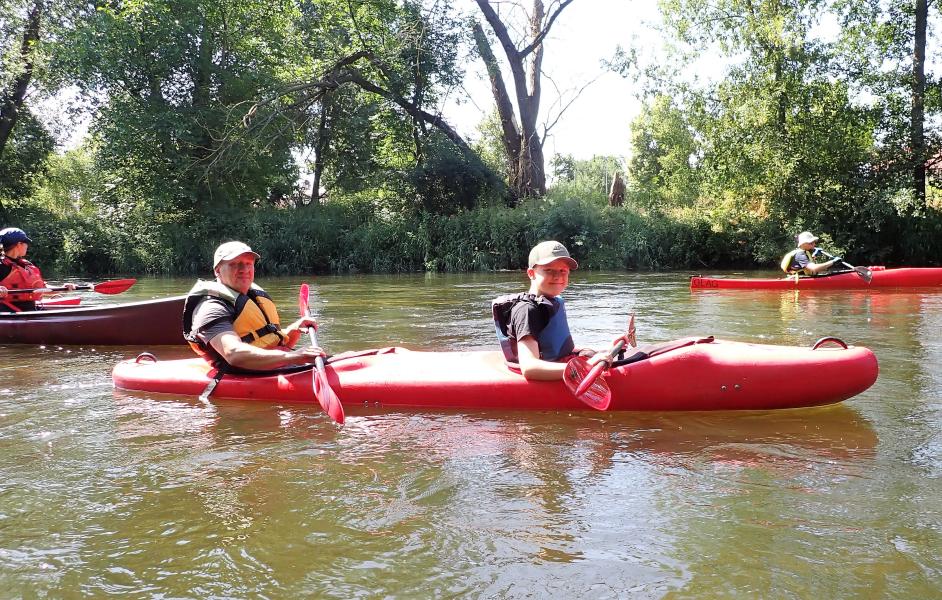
(232, 322)
(18, 273)
(532, 327)
(801, 259)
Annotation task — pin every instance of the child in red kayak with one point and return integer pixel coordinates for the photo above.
(18, 273)
(532, 327)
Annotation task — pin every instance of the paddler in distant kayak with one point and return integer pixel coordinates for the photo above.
(18, 273)
(532, 327)
(801, 260)
(233, 323)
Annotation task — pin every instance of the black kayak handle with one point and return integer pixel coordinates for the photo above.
(829, 340)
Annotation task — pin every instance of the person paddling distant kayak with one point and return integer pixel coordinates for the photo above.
(18, 273)
(532, 327)
(231, 322)
(801, 259)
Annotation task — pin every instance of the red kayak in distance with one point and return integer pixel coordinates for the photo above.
(686, 374)
(909, 277)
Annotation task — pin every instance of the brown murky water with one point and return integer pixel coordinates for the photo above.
(106, 492)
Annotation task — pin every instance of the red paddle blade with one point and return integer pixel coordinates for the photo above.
(303, 303)
(327, 397)
(590, 378)
(115, 286)
(322, 391)
(594, 391)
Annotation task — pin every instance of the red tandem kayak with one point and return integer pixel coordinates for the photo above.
(848, 280)
(146, 323)
(688, 374)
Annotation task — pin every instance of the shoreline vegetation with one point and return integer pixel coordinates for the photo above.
(360, 237)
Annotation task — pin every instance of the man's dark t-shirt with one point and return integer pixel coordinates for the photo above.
(211, 318)
(800, 261)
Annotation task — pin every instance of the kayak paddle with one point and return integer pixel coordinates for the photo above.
(322, 390)
(864, 273)
(115, 286)
(584, 382)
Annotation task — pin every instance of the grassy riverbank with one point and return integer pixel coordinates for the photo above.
(358, 237)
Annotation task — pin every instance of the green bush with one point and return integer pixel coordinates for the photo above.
(361, 237)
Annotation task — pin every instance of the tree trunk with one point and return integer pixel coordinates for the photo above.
(510, 130)
(320, 147)
(525, 157)
(917, 135)
(12, 99)
(532, 174)
(201, 98)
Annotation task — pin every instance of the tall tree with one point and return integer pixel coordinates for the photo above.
(663, 147)
(170, 76)
(884, 57)
(20, 70)
(28, 28)
(760, 125)
(522, 143)
(917, 137)
(370, 103)
(776, 142)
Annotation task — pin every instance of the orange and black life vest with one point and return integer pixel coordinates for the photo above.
(255, 318)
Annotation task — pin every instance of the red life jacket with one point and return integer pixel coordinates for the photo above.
(23, 275)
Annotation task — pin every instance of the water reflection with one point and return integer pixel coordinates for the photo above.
(497, 486)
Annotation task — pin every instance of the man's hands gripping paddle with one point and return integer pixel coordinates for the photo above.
(582, 374)
(322, 391)
(862, 272)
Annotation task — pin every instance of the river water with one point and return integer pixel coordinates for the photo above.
(107, 492)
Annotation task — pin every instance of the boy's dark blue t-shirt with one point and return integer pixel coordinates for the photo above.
(532, 318)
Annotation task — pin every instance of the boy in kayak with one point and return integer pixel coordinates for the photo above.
(532, 327)
(231, 322)
(801, 259)
(18, 273)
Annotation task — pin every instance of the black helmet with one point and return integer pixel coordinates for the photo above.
(12, 236)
